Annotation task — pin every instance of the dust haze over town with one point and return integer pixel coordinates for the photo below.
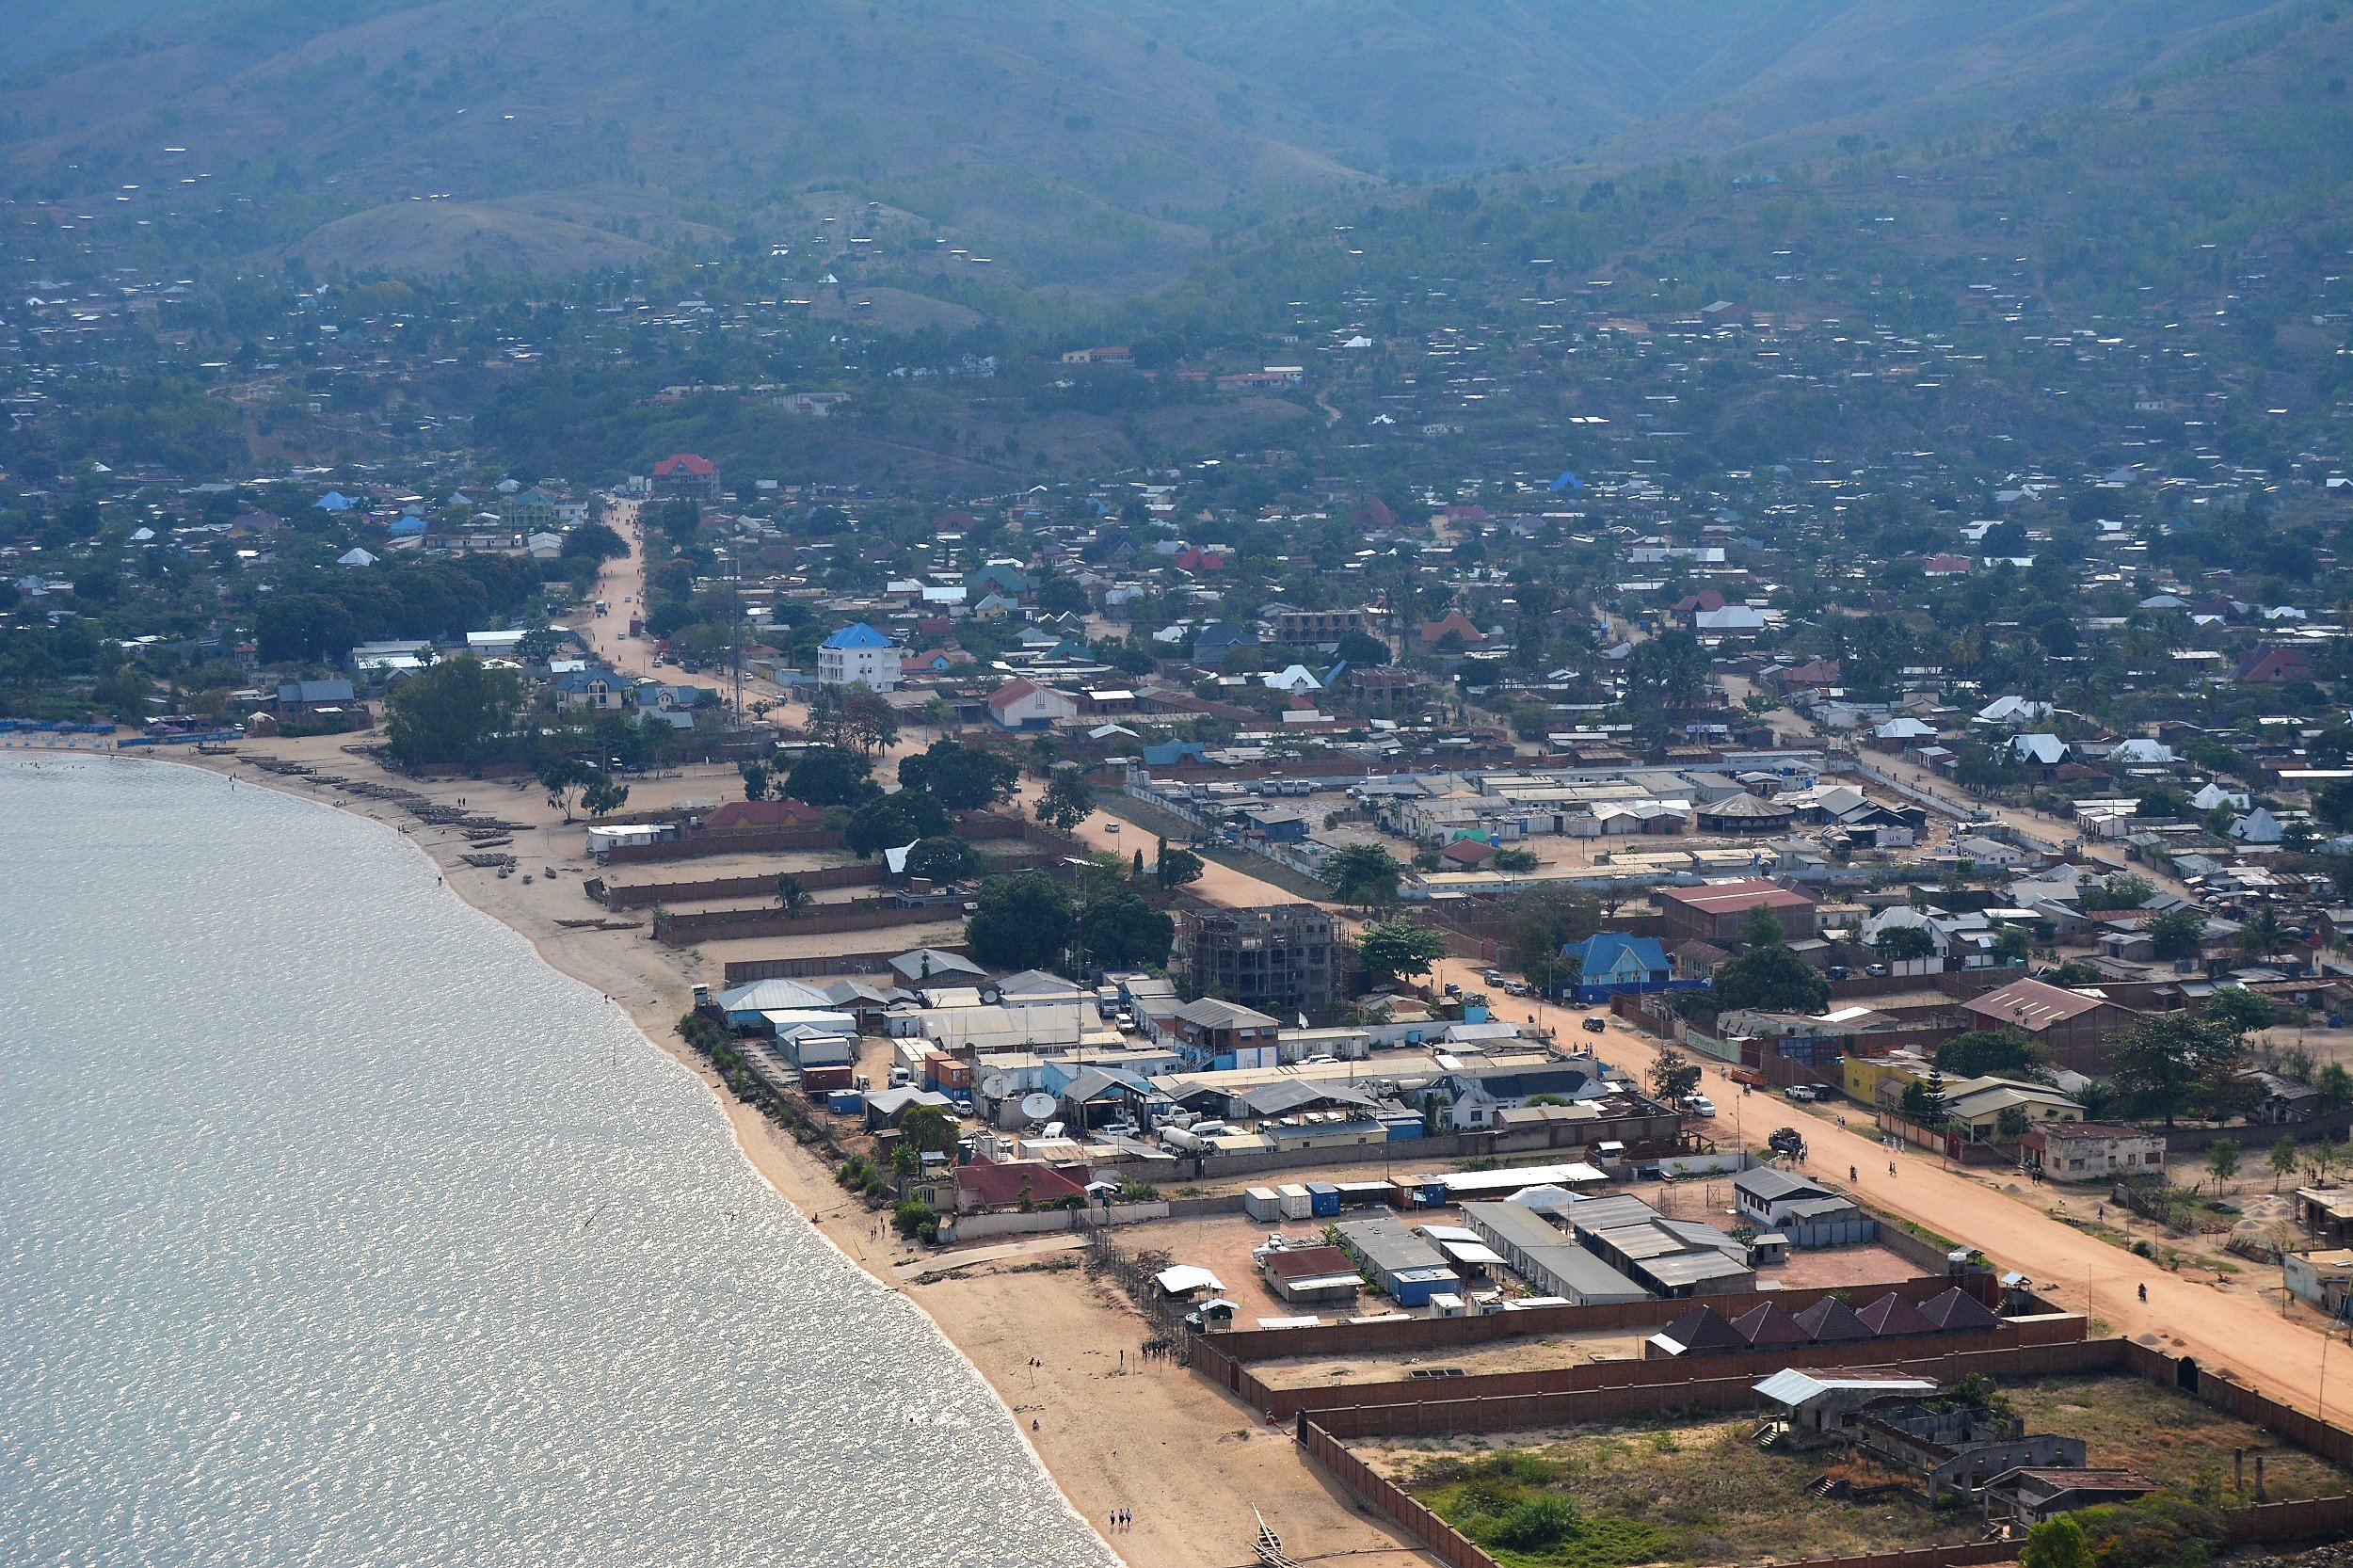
(1494, 783)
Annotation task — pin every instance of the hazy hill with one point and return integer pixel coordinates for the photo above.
(1100, 141)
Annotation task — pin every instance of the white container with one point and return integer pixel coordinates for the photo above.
(1260, 1203)
(1296, 1203)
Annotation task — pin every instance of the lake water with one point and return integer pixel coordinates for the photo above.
(337, 1228)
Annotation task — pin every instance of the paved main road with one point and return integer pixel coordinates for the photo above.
(2227, 1325)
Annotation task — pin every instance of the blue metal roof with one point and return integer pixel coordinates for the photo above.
(860, 635)
(1600, 954)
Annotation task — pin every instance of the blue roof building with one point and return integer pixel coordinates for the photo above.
(1610, 963)
(333, 501)
(859, 635)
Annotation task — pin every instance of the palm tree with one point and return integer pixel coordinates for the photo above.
(791, 896)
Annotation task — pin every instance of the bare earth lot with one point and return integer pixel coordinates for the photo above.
(1707, 1493)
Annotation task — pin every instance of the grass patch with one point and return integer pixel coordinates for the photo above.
(1660, 1492)
(1515, 1505)
(2168, 1437)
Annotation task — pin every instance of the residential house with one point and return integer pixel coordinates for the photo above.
(1611, 963)
(686, 475)
(2094, 1151)
(2270, 665)
(1455, 625)
(1211, 1032)
(309, 697)
(859, 655)
(598, 690)
(1475, 1095)
(2077, 1026)
(1023, 704)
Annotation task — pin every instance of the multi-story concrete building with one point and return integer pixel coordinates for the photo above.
(859, 655)
(1282, 959)
(1319, 628)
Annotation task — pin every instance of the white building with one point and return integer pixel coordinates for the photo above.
(859, 655)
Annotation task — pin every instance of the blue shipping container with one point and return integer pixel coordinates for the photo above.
(846, 1102)
(1323, 1198)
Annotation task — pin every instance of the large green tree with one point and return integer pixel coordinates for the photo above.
(1362, 873)
(888, 822)
(1067, 801)
(828, 776)
(1398, 947)
(1982, 1052)
(960, 778)
(1771, 978)
(1121, 931)
(2166, 1062)
(459, 710)
(1023, 921)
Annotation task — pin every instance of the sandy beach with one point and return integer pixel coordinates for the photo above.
(1195, 1468)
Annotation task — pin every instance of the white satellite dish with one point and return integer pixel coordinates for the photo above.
(1038, 1107)
(995, 1086)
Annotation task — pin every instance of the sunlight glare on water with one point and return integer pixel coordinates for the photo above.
(335, 1228)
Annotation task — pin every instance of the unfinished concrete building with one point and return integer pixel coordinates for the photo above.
(1284, 959)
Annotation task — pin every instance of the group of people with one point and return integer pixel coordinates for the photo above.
(1123, 1517)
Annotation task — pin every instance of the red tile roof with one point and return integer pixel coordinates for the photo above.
(993, 1184)
(764, 813)
(685, 462)
(1733, 898)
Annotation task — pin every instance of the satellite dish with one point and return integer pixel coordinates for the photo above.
(996, 1086)
(1038, 1107)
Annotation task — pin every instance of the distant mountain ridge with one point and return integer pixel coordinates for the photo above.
(1080, 141)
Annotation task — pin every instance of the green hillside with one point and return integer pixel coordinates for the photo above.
(1084, 142)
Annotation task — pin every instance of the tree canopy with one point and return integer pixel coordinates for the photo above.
(960, 778)
(830, 775)
(1398, 947)
(459, 710)
(1023, 921)
(1362, 873)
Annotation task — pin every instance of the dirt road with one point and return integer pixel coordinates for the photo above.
(2222, 1320)
(2227, 1324)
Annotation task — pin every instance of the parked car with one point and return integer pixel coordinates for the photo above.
(1699, 1105)
(1595, 1025)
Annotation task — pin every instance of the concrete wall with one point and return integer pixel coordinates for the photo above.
(1047, 1221)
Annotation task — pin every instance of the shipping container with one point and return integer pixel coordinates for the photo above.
(846, 1102)
(1260, 1203)
(816, 1081)
(1295, 1202)
(1323, 1198)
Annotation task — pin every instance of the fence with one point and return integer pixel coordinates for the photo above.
(1322, 1436)
(681, 930)
(1390, 1502)
(744, 972)
(1492, 1400)
(1046, 1222)
(1388, 1335)
(638, 895)
(1386, 1498)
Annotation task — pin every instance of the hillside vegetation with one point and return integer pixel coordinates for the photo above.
(1081, 141)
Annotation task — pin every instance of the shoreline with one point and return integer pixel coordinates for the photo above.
(1043, 1338)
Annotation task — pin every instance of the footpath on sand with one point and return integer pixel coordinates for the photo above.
(2225, 1324)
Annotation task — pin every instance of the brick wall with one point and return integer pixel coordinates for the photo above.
(1444, 1333)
